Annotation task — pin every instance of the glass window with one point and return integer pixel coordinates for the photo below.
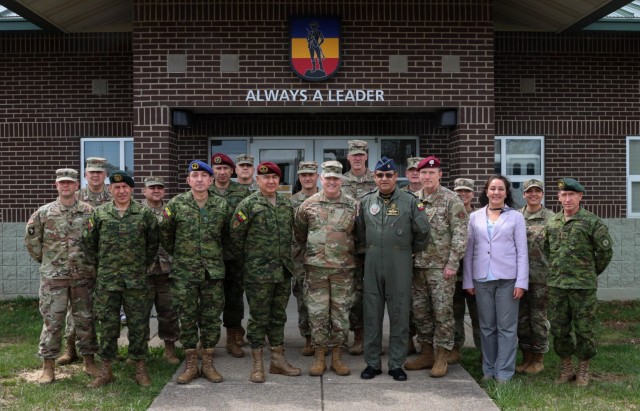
(230, 147)
(523, 159)
(117, 151)
(399, 149)
(633, 176)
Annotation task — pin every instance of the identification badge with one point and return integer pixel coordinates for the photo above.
(393, 209)
(374, 209)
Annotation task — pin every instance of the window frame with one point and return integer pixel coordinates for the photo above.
(631, 178)
(122, 153)
(520, 178)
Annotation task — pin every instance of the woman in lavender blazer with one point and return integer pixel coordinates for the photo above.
(496, 271)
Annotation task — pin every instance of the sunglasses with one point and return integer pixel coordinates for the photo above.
(383, 175)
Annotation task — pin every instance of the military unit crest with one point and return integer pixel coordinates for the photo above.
(263, 169)
(117, 178)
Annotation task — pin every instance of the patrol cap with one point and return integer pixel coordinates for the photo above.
(385, 164)
(358, 147)
(153, 181)
(412, 162)
(332, 169)
(532, 183)
(120, 176)
(244, 159)
(199, 165)
(96, 164)
(463, 184)
(220, 159)
(66, 174)
(267, 167)
(429, 162)
(308, 167)
(569, 184)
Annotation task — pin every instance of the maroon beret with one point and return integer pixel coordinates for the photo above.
(267, 167)
(219, 158)
(429, 162)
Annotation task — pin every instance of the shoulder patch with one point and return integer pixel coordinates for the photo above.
(421, 206)
(240, 217)
(166, 212)
(90, 224)
(31, 230)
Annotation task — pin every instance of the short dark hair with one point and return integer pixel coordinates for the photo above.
(484, 200)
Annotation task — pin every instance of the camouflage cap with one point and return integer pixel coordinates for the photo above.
(332, 169)
(96, 164)
(532, 183)
(358, 147)
(569, 184)
(121, 176)
(153, 181)
(308, 167)
(412, 162)
(244, 159)
(463, 184)
(66, 174)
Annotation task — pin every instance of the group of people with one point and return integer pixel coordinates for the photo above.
(345, 250)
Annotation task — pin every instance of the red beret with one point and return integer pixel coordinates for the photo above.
(429, 162)
(219, 158)
(267, 167)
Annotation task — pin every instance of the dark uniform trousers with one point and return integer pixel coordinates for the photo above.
(160, 295)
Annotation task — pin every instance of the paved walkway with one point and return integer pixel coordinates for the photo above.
(456, 391)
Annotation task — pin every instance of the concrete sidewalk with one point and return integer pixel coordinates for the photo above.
(456, 391)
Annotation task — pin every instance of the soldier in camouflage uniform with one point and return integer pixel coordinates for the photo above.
(461, 299)
(579, 249)
(233, 312)
(158, 275)
(434, 280)
(245, 170)
(533, 329)
(392, 226)
(308, 177)
(261, 230)
(67, 274)
(95, 194)
(123, 235)
(323, 230)
(356, 183)
(192, 231)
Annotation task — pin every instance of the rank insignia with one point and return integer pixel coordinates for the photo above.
(241, 217)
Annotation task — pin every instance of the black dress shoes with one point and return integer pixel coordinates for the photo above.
(398, 374)
(371, 372)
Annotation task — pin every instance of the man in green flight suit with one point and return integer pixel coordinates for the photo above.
(392, 225)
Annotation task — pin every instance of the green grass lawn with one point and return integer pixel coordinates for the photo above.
(615, 371)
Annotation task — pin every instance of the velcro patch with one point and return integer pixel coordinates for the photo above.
(241, 217)
(166, 212)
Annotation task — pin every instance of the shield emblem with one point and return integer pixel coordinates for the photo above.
(315, 47)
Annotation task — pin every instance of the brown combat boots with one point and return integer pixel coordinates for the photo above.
(582, 379)
(170, 353)
(536, 365)
(423, 361)
(70, 355)
(90, 366)
(232, 343)
(566, 371)
(257, 373)
(142, 376)
(440, 364)
(319, 366)
(307, 350)
(337, 365)
(240, 337)
(208, 370)
(358, 340)
(191, 367)
(105, 377)
(454, 356)
(48, 374)
(526, 361)
(411, 347)
(280, 365)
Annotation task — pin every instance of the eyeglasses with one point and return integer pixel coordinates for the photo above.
(383, 175)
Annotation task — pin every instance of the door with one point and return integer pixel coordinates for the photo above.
(287, 154)
(337, 149)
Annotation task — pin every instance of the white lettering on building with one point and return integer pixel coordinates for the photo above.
(336, 96)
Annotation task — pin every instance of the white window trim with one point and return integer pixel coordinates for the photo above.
(121, 140)
(631, 178)
(503, 155)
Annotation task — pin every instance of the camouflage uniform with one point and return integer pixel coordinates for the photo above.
(67, 274)
(461, 300)
(298, 275)
(124, 248)
(391, 230)
(357, 187)
(193, 236)
(579, 249)
(533, 329)
(323, 230)
(432, 293)
(233, 288)
(252, 187)
(160, 289)
(263, 233)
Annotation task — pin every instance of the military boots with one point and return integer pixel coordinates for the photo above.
(48, 375)
(105, 377)
(240, 337)
(423, 361)
(170, 353)
(566, 371)
(232, 343)
(90, 366)
(280, 365)
(70, 355)
(582, 379)
(337, 365)
(526, 360)
(319, 366)
(191, 367)
(440, 364)
(358, 340)
(257, 373)
(307, 350)
(208, 370)
(454, 356)
(142, 376)
(536, 365)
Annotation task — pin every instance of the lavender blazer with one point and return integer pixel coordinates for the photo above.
(506, 251)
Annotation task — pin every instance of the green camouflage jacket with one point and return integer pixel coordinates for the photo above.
(95, 200)
(193, 236)
(235, 193)
(162, 263)
(124, 246)
(296, 253)
(538, 263)
(578, 250)
(357, 187)
(54, 239)
(262, 235)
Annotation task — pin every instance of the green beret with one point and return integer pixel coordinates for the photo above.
(119, 176)
(569, 184)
